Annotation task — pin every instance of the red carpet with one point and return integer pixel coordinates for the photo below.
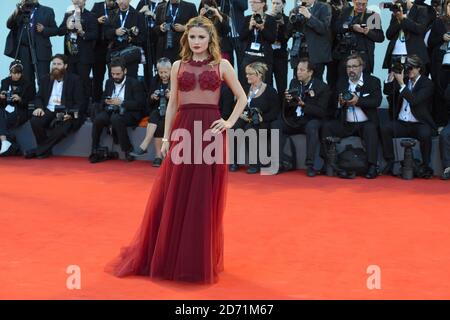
(287, 236)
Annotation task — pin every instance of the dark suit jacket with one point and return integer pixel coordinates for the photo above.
(239, 6)
(316, 101)
(25, 90)
(98, 10)
(414, 27)
(43, 15)
(134, 19)
(186, 11)
(72, 94)
(364, 42)
(317, 32)
(134, 100)
(265, 37)
(86, 43)
(420, 99)
(369, 97)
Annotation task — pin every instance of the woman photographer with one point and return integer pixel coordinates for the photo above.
(158, 100)
(209, 9)
(15, 94)
(438, 42)
(257, 34)
(262, 108)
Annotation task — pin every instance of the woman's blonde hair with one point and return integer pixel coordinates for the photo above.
(260, 68)
(213, 46)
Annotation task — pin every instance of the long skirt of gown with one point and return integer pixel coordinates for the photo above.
(181, 234)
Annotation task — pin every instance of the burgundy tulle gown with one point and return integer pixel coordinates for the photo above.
(181, 235)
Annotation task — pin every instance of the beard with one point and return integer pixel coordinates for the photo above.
(117, 81)
(57, 74)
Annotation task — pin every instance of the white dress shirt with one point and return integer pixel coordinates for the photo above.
(406, 113)
(355, 114)
(56, 96)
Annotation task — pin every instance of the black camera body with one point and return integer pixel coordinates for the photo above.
(347, 96)
(395, 7)
(112, 108)
(253, 114)
(170, 35)
(399, 67)
(162, 102)
(209, 13)
(9, 95)
(258, 18)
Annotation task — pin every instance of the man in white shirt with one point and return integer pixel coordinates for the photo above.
(411, 94)
(60, 97)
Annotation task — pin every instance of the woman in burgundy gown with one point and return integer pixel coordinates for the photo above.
(181, 235)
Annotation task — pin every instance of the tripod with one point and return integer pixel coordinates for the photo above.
(26, 29)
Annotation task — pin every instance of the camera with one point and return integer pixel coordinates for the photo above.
(347, 96)
(170, 35)
(162, 102)
(258, 18)
(26, 7)
(294, 93)
(209, 13)
(254, 114)
(129, 33)
(347, 39)
(60, 112)
(398, 67)
(112, 108)
(72, 46)
(395, 7)
(9, 95)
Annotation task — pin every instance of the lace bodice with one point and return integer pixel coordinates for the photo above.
(199, 83)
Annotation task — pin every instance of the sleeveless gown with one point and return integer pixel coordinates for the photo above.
(181, 234)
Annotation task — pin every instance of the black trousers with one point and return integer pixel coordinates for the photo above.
(7, 121)
(444, 144)
(83, 71)
(366, 130)
(280, 70)
(119, 125)
(311, 129)
(43, 66)
(98, 72)
(419, 131)
(46, 141)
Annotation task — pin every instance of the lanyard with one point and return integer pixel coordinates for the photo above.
(106, 11)
(256, 32)
(122, 19)
(253, 94)
(174, 16)
(309, 87)
(31, 18)
(120, 90)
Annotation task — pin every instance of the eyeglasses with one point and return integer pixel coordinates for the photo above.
(354, 66)
(250, 73)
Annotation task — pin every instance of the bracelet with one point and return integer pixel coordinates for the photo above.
(165, 140)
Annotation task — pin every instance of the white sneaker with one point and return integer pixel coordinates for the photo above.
(5, 146)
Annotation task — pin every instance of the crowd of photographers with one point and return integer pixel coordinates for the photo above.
(335, 38)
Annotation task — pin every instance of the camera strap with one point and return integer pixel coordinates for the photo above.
(118, 93)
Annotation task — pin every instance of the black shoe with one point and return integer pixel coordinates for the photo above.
(253, 169)
(389, 168)
(138, 152)
(446, 174)
(30, 154)
(157, 162)
(425, 172)
(234, 167)
(128, 157)
(285, 166)
(44, 155)
(372, 173)
(310, 172)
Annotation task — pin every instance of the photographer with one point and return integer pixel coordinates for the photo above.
(123, 105)
(33, 22)
(358, 29)
(127, 37)
(412, 95)
(15, 94)
(59, 107)
(358, 100)
(439, 43)
(104, 12)
(209, 9)
(158, 100)
(406, 33)
(280, 53)
(306, 104)
(444, 140)
(262, 108)
(257, 36)
(171, 18)
(310, 30)
(80, 31)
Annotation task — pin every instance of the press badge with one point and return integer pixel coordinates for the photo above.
(10, 109)
(255, 46)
